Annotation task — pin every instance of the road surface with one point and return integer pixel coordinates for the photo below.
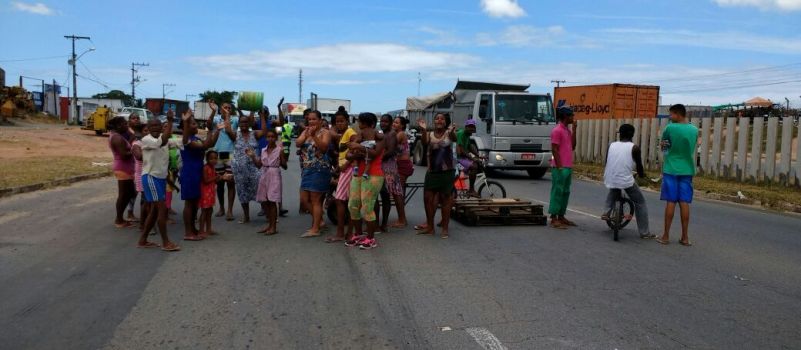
(70, 280)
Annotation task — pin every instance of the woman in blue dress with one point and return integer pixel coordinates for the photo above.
(192, 154)
(246, 174)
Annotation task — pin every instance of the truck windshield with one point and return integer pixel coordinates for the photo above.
(523, 108)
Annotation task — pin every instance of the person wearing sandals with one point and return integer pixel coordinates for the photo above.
(119, 142)
(269, 192)
(315, 175)
(563, 142)
(405, 167)
(246, 174)
(366, 180)
(679, 141)
(225, 147)
(155, 165)
(343, 134)
(193, 151)
(441, 173)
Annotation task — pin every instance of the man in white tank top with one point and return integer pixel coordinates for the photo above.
(622, 159)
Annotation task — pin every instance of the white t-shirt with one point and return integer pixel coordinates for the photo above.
(619, 166)
(155, 157)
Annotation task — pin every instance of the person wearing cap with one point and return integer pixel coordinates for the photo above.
(466, 158)
(563, 142)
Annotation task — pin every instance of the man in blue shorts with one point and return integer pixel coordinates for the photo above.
(679, 141)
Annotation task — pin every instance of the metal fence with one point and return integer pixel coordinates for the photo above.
(741, 148)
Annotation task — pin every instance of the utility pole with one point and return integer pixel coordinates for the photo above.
(135, 78)
(558, 82)
(188, 96)
(300, 86)
(164, 91)
(74, 105)
(419, 81)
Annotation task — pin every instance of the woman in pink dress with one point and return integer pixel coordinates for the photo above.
(269, 190)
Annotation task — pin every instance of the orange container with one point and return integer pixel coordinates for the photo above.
(610, 101)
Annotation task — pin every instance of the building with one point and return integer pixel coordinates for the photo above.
(87, 106)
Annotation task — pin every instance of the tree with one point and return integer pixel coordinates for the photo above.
(219, 97)
(117, 95)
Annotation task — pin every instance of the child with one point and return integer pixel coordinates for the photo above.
(136, 149)
(208, 192)
(155, 165)
(679, 141)
(269, 190)
(563, 141)
(172, 176)
(621, 160)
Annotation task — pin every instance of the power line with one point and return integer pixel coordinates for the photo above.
(704, 76)
(736, 87)
(33, 59)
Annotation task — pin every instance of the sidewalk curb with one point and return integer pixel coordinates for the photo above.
(7, 192)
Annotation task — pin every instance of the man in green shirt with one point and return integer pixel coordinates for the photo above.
(679, 141)
(466, 158)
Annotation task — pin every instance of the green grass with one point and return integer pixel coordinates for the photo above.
(770, 195)
(28, 171)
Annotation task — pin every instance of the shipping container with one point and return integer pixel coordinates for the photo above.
(160, 106)
(610, 101)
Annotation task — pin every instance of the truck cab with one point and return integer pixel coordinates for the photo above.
(513, 130)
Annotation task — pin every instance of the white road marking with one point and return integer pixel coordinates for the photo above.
(487, 340)
(572, 210)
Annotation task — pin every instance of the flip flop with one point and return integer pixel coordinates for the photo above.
(444, 236)
(171, 247)
(420, 227)
(229, 218)
(125, 224)
(425, 233)
(398, 225)
(686, 244)
(661, 241)
(262, 231)
(193, 238)
(310, 234)
(219, 215)
(270, 233)
(334, 239)
(148, 245)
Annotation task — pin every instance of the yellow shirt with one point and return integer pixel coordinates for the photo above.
(344, 140)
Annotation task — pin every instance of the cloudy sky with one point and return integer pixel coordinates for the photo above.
(698, 51)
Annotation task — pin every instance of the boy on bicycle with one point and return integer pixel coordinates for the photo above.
(466, 158)
(622, 158)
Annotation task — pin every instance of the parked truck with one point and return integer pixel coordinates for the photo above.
(160, 106)
(327, 106)
(610, 101)
(513, 126)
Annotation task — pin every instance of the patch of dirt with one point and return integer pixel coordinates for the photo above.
(26, 140)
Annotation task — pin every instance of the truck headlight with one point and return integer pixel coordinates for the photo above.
(499, 157)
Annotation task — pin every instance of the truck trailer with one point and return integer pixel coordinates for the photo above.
(609, 101)
(513, 126)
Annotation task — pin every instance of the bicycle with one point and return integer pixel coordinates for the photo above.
(616, 218)
(486, 188)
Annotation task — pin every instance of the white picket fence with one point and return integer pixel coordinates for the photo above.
(730, 147)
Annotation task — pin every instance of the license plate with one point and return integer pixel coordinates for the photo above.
(527, 156)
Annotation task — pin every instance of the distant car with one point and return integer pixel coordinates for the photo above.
(143, 113)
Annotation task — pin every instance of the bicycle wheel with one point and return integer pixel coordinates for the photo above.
(492, 189)
(626, 209)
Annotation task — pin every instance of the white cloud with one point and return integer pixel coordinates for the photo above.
(786, 5)
(715, 40)
(37, 8)
(502, 8)
(523, 36)
(340, 58)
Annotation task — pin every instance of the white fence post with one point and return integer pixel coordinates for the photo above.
(653, 144)
(646, 132)
(728, 149)
(756, 150)
(604, 139)
(596, 148)
(742, 149)
(714, 160)
(770, 149)
(786, 151)
(705, 125)
(796, 173)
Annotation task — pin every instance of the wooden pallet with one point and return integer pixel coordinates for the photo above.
(494, 212)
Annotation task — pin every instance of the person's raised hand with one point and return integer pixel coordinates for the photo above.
(170, 114)
(186, 114)
(213, 106)
(266, 112)
(281, 102)
(422, 123)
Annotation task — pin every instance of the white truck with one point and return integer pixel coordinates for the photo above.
(327, 106)
(513, 126)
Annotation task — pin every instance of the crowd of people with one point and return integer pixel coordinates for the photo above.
(363, 166)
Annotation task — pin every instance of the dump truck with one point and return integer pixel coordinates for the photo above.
(609, 101)
(98, 120)
(513, 126)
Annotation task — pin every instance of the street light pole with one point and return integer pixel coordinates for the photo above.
(188, 96)
(164, 91)
(74, 105)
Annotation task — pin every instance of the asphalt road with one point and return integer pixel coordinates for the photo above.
(70, 280)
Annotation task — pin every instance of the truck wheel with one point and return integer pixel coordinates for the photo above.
(418, 152)
(537, 173)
